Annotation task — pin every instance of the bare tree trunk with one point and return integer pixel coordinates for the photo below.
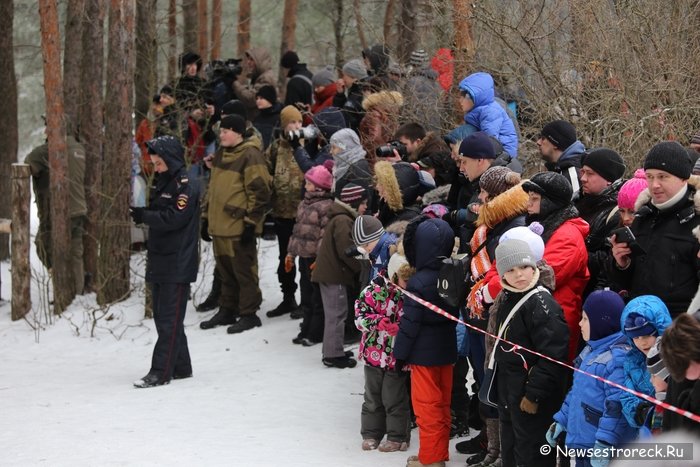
(21, 274)
(71, 62)
(145, 78)
(8, 116)
(464, 44)
(91, 121)
(243, 26)
(190, 24)
(289, 27)
(389, 20)
(359, 20)
(63, 285)
(172, 39)
(114, 245)
(338, 25)
(203, 29)
(216, 10)
(407, 34)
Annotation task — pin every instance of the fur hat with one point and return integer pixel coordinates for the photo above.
(401, 183)
(355, 68)
(603, 308)
(497, 180)
(629, 192)
(477, 145)
(323, 77)
(605, 162)
(289, 59)
(188, 58)
(288, 115)
(389, 101)
(234, 123)
(366, 229)
(320, 176)
(267, 92)
(513, 253)
(670, 157)
(560, 133)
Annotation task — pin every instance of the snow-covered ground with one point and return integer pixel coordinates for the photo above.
(256, 399)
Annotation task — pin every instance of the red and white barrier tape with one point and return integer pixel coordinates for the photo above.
(662, 404)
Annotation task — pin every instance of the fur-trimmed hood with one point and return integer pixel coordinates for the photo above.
(389, 102)
(693, 182)
(400, 182)
(507, 205)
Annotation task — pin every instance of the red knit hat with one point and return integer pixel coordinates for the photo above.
(319, 176)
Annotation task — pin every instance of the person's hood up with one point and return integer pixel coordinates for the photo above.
(262, 58)
(480, 88)
(378, 57)
(434, 241)
(400, 182)
(170, 150)
(651, 308)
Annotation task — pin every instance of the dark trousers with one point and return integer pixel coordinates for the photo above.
(385, 409)
(311, 302)
(237, 265)
(460, 394)
(283, 229)
(170, 355)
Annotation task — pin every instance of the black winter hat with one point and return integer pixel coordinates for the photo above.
(551, 185)
(477, 145)
(189, 58)
(605, 162)
(670, 157)
(234, 123)
(289, 59)
(234, 107)
(268, 93)
(560, 133)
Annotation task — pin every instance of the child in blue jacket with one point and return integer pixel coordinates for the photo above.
(591, 416)
(643, 320)
(481, 110)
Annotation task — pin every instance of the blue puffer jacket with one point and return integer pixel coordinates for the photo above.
(637, 376)
(592, 409)
(426, 338)
(487, 114)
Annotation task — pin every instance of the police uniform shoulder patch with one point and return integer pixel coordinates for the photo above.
(181, 201)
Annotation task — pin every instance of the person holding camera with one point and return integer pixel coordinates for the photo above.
(666, 264)
(239, 192)
(173, 220)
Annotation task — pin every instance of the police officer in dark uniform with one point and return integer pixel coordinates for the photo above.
(173, 220)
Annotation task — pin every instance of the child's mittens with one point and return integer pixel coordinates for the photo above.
(527, 406)
(385, 324)
(288, 263)
(552, 435)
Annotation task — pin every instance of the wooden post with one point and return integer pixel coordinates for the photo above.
(21, 275)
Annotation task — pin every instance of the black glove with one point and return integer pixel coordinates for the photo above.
(248, 235)
(398, 366)
(640, 415)
(136, 214)
(204, 231)
(294, 138)
(450, 217)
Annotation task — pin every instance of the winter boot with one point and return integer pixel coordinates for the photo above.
(245, 323)
(413, 461)
(149, 381)
(212, 301)
(340, 362)
(223, 317)
(393, 446)
(474, 445)
(289, 303)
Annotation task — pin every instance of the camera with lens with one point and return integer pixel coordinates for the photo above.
(307, 132)
(234, 67)
(387, 150)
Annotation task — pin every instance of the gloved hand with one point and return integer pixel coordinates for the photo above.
(385, 324)
(136, 214)
(552, 435)
(288, 263)
(601, 454)
(398, 366)
(204, 231)
(527, 406)
(248, 235)
(450, 217)
(640, 414)
(294, 138)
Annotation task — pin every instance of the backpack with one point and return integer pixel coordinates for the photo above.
(453, 279)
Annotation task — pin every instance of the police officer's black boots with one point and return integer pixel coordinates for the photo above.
(212, 301)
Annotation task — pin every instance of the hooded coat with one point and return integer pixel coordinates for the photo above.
(487, 114)
(259, 76)
(299, 86)
(333, 266)
(569, 164)
(669, 268)
(426, 338)
(401, 190)
(350, 165)
(173, 219)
